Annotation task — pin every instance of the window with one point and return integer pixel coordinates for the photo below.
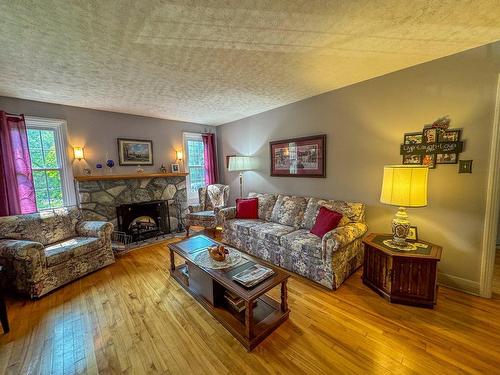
(195, 162)
(52, 179)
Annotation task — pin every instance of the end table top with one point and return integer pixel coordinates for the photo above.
(426, 250)
(191, 246)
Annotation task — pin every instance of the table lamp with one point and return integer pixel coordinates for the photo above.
(403, 186)
(241, 164)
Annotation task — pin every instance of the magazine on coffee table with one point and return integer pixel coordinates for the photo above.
(253, 275)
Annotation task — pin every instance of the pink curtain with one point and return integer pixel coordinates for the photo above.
(17, 192)
(210, 158)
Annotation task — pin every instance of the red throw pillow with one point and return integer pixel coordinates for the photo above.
(247, 208)
(326, 221)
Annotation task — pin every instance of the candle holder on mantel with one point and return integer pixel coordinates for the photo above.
(99, 169)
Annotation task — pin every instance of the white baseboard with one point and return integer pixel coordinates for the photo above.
(455, 282)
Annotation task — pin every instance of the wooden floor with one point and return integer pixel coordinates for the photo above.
(132, 318)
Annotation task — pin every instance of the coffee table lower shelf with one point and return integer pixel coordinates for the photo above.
(260, 318)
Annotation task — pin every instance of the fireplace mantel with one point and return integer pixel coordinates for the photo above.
(129, 176)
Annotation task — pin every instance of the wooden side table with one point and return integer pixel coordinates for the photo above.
(3, 308)
(406, 277)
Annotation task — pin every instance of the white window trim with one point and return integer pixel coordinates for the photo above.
(192, 198)
(60, 128)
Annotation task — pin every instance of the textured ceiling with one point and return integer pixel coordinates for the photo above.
(216, 61)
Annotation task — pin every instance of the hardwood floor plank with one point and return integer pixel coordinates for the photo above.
(132, 318)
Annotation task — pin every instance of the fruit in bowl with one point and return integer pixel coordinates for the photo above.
(218, 252)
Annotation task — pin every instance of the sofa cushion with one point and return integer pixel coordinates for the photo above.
(270, 232)
(61, 252)
(46, 227)
(351, 211)
(247, 208)
(289, 210)
(303, 243)
(326, 221)
(242, 225)
(266, 204)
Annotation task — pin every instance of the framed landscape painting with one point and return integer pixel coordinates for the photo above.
(299, 157)
(135, 152)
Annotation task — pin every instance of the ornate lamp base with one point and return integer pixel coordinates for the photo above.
(400, 230)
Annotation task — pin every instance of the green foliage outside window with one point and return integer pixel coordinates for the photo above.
(46, 168)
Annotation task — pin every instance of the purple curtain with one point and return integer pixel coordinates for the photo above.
(17, 192)
(210, 158)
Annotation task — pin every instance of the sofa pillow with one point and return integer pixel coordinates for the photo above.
(266, 204)
(351, 211)
(247, 208)
(289, 210)
(326, 221)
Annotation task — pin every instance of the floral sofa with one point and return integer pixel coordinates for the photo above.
(45, 250)
(281, 235)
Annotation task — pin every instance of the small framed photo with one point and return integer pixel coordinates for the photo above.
(429, 160)
(446, 158)
(176, 168)
(412, 234)
(430, 135)
(451, 135)
(413, 138)
(412, 159)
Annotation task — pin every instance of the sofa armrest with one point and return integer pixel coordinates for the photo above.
(21, 250)
(99, 229)
(223, 214)
(25, 264)
(340, 237)
(195, 208)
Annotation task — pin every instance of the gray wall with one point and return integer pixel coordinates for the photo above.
(97, 131)
(365, 124)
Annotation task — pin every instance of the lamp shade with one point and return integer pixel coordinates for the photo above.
(405, 185)
(78, 152)
(241, 163)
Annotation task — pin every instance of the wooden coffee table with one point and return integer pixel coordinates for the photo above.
(262, 314)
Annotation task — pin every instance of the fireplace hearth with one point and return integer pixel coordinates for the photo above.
(144, 220)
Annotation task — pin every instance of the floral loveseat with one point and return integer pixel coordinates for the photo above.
(281, 236)
(45, 250)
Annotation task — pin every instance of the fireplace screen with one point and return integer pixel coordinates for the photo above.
(144, 220)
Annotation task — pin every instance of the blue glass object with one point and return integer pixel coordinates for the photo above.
(98, 166)
(110, 163)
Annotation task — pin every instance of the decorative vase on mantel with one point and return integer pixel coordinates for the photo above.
(110, 164)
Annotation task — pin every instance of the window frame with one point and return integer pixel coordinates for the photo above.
(192, 197)
(60, 128)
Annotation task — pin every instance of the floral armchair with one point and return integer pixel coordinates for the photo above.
(45, 250)
(212, 198)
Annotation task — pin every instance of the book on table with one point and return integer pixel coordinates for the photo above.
(253, 275)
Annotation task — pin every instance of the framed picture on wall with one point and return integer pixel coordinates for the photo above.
(446, 158)
(135, 152)
(450, 135)
(430, 135)
(412, 159)
(299, 157)
(413, 138)
(429, 160)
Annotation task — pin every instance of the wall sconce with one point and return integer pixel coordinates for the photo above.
(78, 152)
(178, 155)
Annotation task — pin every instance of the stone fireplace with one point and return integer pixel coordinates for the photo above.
(100, 196)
